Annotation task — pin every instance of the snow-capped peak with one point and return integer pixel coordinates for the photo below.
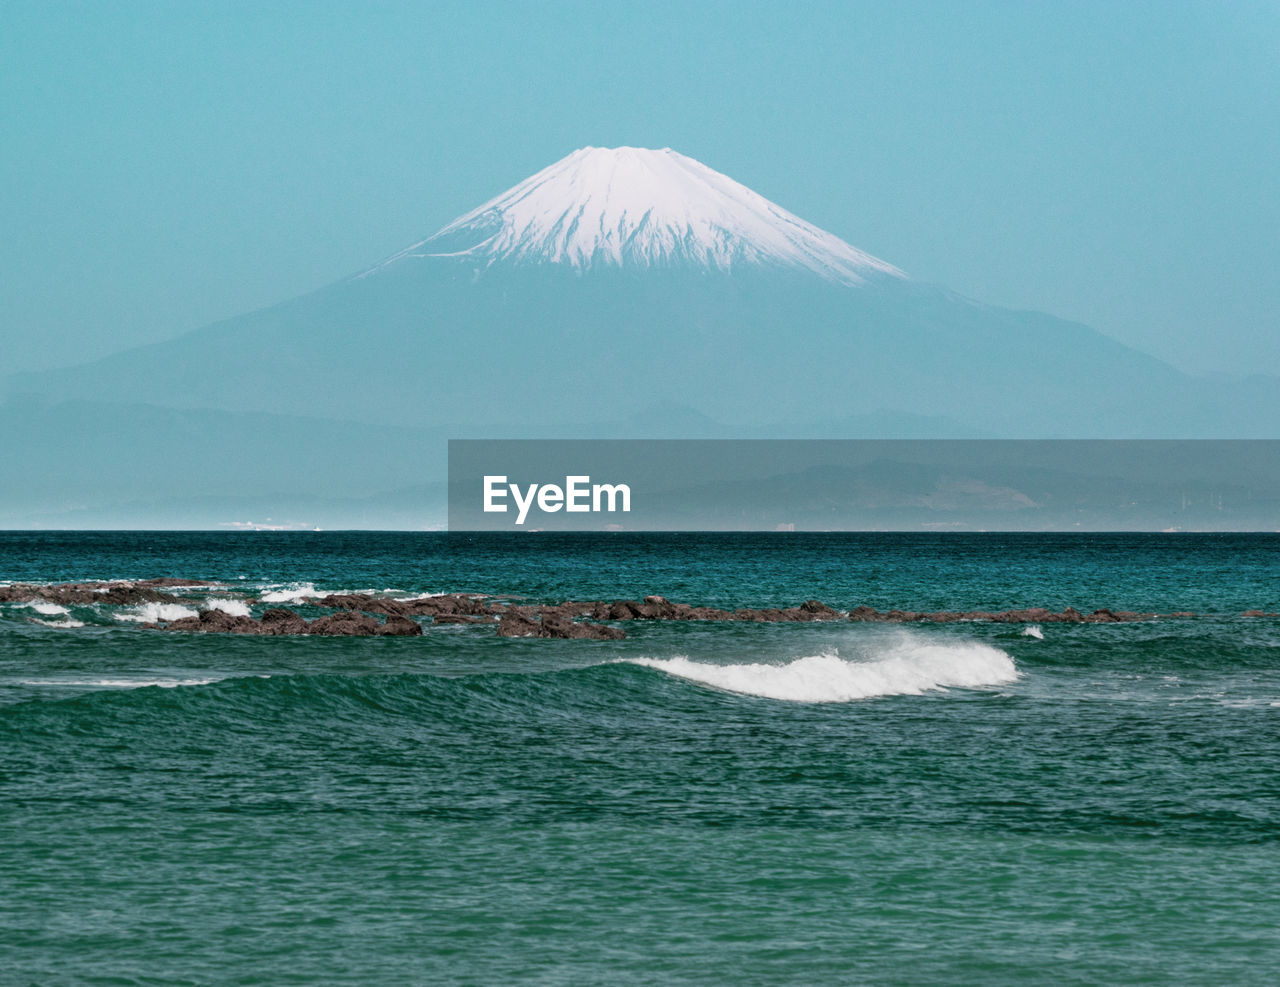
(635, 207)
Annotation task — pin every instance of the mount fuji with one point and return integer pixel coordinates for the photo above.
(620, 281)
(636, 208)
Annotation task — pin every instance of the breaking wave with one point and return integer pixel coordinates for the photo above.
(150, 612)
(48, 609)
(236, 608)
(908, 668)
(292, 593)
(303, 592)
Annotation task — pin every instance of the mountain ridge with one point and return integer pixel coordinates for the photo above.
(497, 332)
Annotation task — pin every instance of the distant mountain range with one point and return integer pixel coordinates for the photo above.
(638, 293)
(909, 484)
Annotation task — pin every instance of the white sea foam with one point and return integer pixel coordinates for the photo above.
(69, 622)
(236, 608)
(48, 609)
(290, 593)
(1033, 630)
(908, 667)
(301, 592)
(151, 612)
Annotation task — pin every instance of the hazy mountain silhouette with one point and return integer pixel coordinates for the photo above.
(622, 292)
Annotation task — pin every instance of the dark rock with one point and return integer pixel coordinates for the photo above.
(343, 624)
(562, 620)
(769, 615)
(129, 595)
(517, 622)
(400, 627)
(554, 622)
(453, 603)
(364, 602)
(624, 610)
(660, 608)
(577, 608)
(278, 621)
(219, 621)
(79, 594)
(562, 626)
(216, 622)
(709, 613)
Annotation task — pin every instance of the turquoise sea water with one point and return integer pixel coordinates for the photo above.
(968, 803)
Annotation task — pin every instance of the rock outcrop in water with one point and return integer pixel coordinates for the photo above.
(659, 608)
(452, 604)
(368, 615)
(112, 593)
(215, 622)
(278, 621)
(344, 623)
(561, 621)
(400, 627)
(553, 622)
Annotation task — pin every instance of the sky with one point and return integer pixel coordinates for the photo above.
(167, 165)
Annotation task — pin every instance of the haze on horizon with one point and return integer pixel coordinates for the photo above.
(166, 167)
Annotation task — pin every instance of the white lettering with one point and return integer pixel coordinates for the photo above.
(492, 492)
(523, 505)
(575, 487)
(578, 495)
(612, 491)
(550, 498)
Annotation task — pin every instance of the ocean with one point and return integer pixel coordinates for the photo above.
(702, 802)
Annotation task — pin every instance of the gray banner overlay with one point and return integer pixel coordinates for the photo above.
(861, 485)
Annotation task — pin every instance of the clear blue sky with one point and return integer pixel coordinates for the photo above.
(166, 164)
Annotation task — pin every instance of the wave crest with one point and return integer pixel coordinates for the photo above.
(908, 668)
(290, 593)
(151, 612)
(236, 608)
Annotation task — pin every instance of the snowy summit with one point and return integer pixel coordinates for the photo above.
(635, 207)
